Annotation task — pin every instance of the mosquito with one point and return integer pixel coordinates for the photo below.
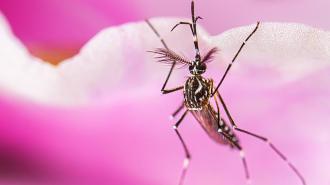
(198, 91)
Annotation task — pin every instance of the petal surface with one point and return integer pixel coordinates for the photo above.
(98, 118)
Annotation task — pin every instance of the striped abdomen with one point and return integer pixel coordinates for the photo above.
(207, 118)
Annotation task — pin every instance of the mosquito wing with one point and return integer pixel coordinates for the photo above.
(207, 118)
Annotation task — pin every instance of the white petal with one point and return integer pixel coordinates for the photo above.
(20, 72)
(295, 50)
(115, 61)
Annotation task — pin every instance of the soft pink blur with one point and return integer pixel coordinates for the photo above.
(56, 24)
(129, 140)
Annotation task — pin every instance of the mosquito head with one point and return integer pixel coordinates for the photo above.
(197, 67)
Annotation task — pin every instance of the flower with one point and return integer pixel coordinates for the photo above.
(99, 118)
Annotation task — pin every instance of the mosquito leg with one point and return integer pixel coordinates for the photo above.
(231, 120)
(164, 90)
(233, 60)
(194, 20)
(157, 34)
(276, 150)
(176, 112)
(192, 28)
(264, 139)
(246, 169)
(218, 112)
(242, 156)
(197, 18)
(187, 159)
(242, 153)
(184, 23)
(193, 32)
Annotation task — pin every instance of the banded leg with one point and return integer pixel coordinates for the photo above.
(276, 150)
(187, 159)
(184, 23)
(264, 139)
(193, 28)
(242, 153)
(176, 112)
(234, 59)
(242, 156)
(164, 90)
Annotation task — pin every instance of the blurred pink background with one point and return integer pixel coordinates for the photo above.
(96, 145)
(48, 26)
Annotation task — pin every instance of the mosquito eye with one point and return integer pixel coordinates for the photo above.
(202, 67)
(191, 68)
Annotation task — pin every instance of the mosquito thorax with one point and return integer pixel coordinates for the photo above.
(197, 68)
(197, 92)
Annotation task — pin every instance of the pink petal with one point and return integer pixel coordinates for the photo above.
(55, 24)
(114, 127)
